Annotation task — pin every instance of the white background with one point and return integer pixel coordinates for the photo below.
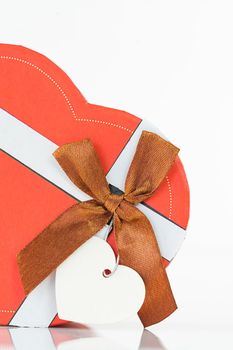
(170, 62)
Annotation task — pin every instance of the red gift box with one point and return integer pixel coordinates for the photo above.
(41, 109)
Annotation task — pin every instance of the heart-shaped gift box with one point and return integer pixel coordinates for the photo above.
(38, 102)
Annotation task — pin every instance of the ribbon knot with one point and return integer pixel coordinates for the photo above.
(135, 239)
(113, 201)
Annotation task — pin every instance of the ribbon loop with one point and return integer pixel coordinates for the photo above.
(153, 158)
(81, 164)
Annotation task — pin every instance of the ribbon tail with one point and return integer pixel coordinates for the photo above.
(139, 250)
(59, 240)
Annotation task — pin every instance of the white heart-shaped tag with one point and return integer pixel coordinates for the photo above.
(84, 295)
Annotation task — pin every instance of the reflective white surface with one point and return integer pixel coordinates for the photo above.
(110, 338)
(77, 338)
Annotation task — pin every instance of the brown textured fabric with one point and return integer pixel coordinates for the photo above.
(135, 238)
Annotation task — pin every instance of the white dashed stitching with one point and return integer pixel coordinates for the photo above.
(170, 197)
(64, 95)
(7, 311)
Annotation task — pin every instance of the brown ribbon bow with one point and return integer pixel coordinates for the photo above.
(136, 242)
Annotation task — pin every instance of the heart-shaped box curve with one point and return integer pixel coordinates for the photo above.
(39, 96)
